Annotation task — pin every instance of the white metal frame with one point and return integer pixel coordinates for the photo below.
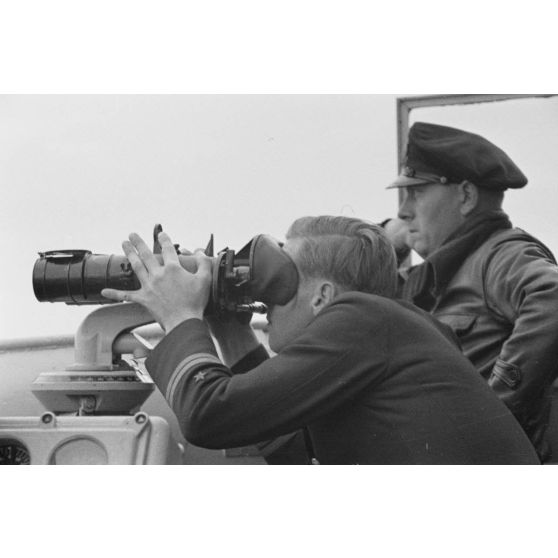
(406, 104)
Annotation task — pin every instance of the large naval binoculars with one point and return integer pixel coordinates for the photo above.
(260, 274)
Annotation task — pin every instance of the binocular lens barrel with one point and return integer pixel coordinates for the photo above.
(259, 275)
(78, 276)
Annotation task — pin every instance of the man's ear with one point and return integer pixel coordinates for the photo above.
(324, 293)
(469, 197)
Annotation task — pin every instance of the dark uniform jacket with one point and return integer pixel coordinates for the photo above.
(373, 380)
(502, 303)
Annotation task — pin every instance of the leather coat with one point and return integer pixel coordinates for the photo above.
(502, 303)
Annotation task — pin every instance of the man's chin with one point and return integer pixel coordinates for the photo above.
(418, 247)
(273, 344)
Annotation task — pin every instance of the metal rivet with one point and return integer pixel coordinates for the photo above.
(141, 418)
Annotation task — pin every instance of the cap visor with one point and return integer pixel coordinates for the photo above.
(403, 181)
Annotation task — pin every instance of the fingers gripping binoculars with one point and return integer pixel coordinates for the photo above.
(260, 274)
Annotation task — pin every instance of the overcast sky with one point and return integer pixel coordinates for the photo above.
(84, 171)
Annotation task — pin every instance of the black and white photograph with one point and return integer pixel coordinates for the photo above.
(209, 287)
(244, 217)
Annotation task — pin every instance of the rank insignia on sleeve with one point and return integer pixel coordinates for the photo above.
(200, 376)
(197, 361)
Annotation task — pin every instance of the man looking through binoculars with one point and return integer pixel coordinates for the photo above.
(367, 378)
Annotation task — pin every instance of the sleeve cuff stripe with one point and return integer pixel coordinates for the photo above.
(184, 367)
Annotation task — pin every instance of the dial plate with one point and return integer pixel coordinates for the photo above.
(13, 452)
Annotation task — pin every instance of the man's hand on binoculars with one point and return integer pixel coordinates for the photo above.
(168, 291)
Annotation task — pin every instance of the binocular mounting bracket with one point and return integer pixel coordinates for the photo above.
(100, 382)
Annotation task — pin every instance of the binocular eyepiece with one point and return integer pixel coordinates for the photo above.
(261, 274)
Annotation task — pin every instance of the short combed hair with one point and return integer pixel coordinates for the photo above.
(355, 254)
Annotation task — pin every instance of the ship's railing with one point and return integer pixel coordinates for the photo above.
(152, 333)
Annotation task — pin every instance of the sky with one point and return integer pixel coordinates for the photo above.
(83, 171)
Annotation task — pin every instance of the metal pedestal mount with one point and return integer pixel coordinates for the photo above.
(93, 405)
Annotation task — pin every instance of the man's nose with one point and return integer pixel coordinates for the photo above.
(405, 208)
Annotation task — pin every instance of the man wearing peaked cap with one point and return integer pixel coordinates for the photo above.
(495, 285)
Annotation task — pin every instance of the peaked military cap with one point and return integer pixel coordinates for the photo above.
(445, 155)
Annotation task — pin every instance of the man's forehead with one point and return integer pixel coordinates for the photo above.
(291, 245)
(292, 248)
